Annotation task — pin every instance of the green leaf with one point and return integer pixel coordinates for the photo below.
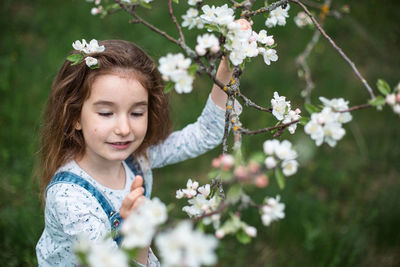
(304, 120)
(145, 5)
(280, 178)
(258, 157)
(212, 27)
(214, 173)
(75, 59)
(168, 87)
(242, 237)
(377, 101)
(176, 1)
(192, 69)
(311, 108)
(383, 86)
(234, 193)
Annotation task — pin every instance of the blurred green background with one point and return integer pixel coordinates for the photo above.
(342, 207)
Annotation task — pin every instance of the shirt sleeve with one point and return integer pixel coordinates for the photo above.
(193, 140)
(71, 212)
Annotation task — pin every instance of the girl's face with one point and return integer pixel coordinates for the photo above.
(113, 119)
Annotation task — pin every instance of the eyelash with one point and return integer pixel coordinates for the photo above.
(107, 114)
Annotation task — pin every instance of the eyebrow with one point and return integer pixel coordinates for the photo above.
(109, 103)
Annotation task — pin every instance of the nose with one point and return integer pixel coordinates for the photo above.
(122, 127)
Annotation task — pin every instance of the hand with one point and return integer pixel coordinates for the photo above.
(133, 199)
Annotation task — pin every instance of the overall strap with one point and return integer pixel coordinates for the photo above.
(134, 165)
(113, 216)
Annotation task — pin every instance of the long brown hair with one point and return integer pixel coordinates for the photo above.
(60, 141)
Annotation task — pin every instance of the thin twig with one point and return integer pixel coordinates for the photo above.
(250, 103)
(352, 65)
(171, 13)
(265, 130)
(269, 8)
(356, 108)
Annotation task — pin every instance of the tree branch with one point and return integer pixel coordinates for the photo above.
(346, 58)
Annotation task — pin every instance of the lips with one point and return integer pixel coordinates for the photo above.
(120, 145)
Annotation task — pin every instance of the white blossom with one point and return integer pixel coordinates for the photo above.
(279, 106)
(290, 116)
(78, 45)
(191, 19)
(222, 15)
(263, 38)
(204, 190)
(270, 55)
(269, 146)
(103, 255)
(138, 229)
(289, 167)
(93, 47)
(273, 210)
(191, 188)
(396, 108)
(207, 42)
(284, 151)
(391, 99)
(277, 17)
(174, 67)
(194, 2)
(270, 162)
(184, 247)
(91, 61)
(302, 19)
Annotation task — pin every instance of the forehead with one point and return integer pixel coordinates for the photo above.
(118, 89)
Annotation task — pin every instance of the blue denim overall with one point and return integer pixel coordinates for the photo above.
(113, 215)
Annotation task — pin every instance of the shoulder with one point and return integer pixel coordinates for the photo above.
(71, 206)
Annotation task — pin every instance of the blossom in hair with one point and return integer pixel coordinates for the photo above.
(91, 61)
(86, 48)
(277, 17)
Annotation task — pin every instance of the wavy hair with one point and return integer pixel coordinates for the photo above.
(60, 141)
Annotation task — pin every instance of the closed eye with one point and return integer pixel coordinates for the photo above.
(105, 114)
(137, 114)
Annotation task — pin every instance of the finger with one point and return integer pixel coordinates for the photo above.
(138, 202)
(129, 201)
(138, 182)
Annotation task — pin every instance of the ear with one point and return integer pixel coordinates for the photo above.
(78, 126)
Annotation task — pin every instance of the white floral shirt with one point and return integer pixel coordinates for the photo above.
(71, 211)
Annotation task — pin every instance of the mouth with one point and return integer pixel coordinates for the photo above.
(120, 145)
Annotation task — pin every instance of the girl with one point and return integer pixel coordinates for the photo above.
(105, 129)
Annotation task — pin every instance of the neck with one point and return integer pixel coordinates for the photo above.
(109, 174)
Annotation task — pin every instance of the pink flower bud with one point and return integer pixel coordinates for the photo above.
(216, 163)
(398, 97)
(220, 233)
(227, 162)
(254, 167)
(200, 50)
(251, 231)
(244, 24)
(241, 172)
(261, 181)
(214, 48)
(298, 111)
